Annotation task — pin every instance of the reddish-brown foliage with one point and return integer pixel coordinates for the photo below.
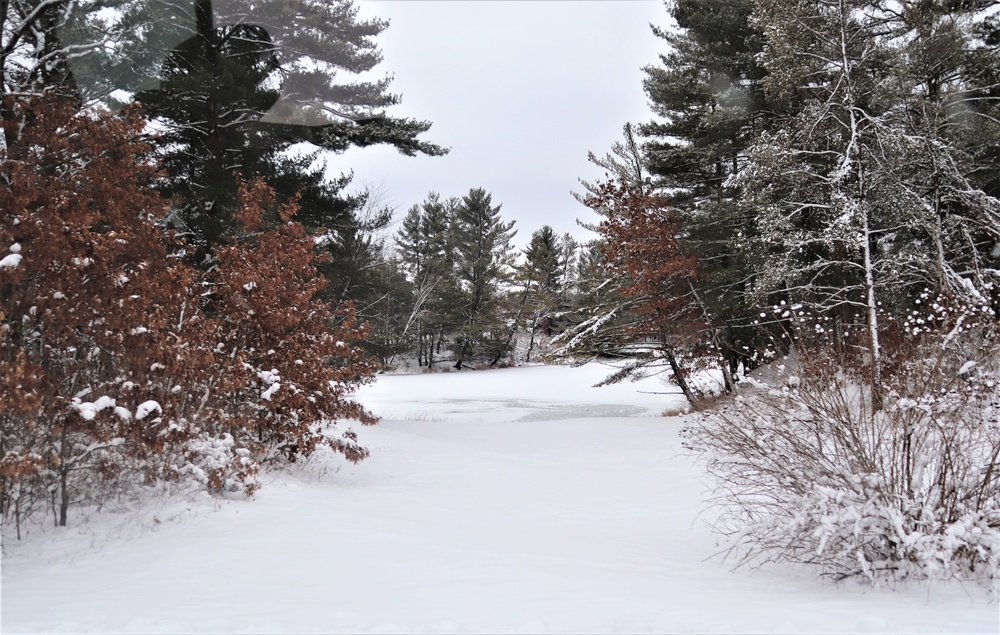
(92, 274)
(297, 361)
(642, 253)
(120, 364)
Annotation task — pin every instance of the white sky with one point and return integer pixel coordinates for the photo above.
(519, 90)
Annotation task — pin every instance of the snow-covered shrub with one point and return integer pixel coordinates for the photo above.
(121, 367)
(808, 471)
(269, 318)
(91, 302)
(219, 465)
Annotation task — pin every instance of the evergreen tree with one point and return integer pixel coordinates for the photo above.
(36, 48)
(483, 251)
(427, 250)
(982, 66)
(542, 260)
(541, 276)
(625, 162)
(815, 184)
(389, 311)
(361, 267)
(708, 92)
(867, 175)
(354, 243)
(232, 99)
(569, 255)
(598, 319)
(944, 128)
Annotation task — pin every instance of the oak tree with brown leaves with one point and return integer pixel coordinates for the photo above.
(121, 366)
(297, 360)
(654, 277)
(87, 301)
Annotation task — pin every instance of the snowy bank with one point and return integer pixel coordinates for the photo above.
(491, 503)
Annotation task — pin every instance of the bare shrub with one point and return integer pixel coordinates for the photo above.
(811, 472)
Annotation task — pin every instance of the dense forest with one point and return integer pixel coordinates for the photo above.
(185, 299)
(821, 182)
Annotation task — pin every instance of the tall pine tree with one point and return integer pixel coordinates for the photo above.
(708, 93)
(426, 248)
(484, 257)
(232, 99)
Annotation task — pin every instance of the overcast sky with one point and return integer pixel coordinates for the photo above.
(519, 91)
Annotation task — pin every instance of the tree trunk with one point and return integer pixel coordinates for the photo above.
(531, 341)
(17, 513)
(874, 345)
(512, 330)
(727, 376)
(679, 376)
(64, 494)
(63, 479)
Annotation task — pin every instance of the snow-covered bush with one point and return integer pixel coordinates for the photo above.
(808, 471)
(218, 464)
(122, 367)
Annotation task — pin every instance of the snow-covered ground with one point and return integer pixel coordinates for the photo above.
(515, 500)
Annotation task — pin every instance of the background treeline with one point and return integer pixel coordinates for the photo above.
(822, 182)
(458, 293)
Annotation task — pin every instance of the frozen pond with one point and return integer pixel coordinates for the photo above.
(517, 500)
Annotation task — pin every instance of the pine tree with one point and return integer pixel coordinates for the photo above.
(36, 50)
(542, 260)
(625, 162)
(483, 253)
(598, 318)
(569, 254)
(940, 130)
(815, 184)
(541, 276)
(867, 173)
(708, 92)
(232, 99)
(982, 66)
(389, 311)
(427, 250)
